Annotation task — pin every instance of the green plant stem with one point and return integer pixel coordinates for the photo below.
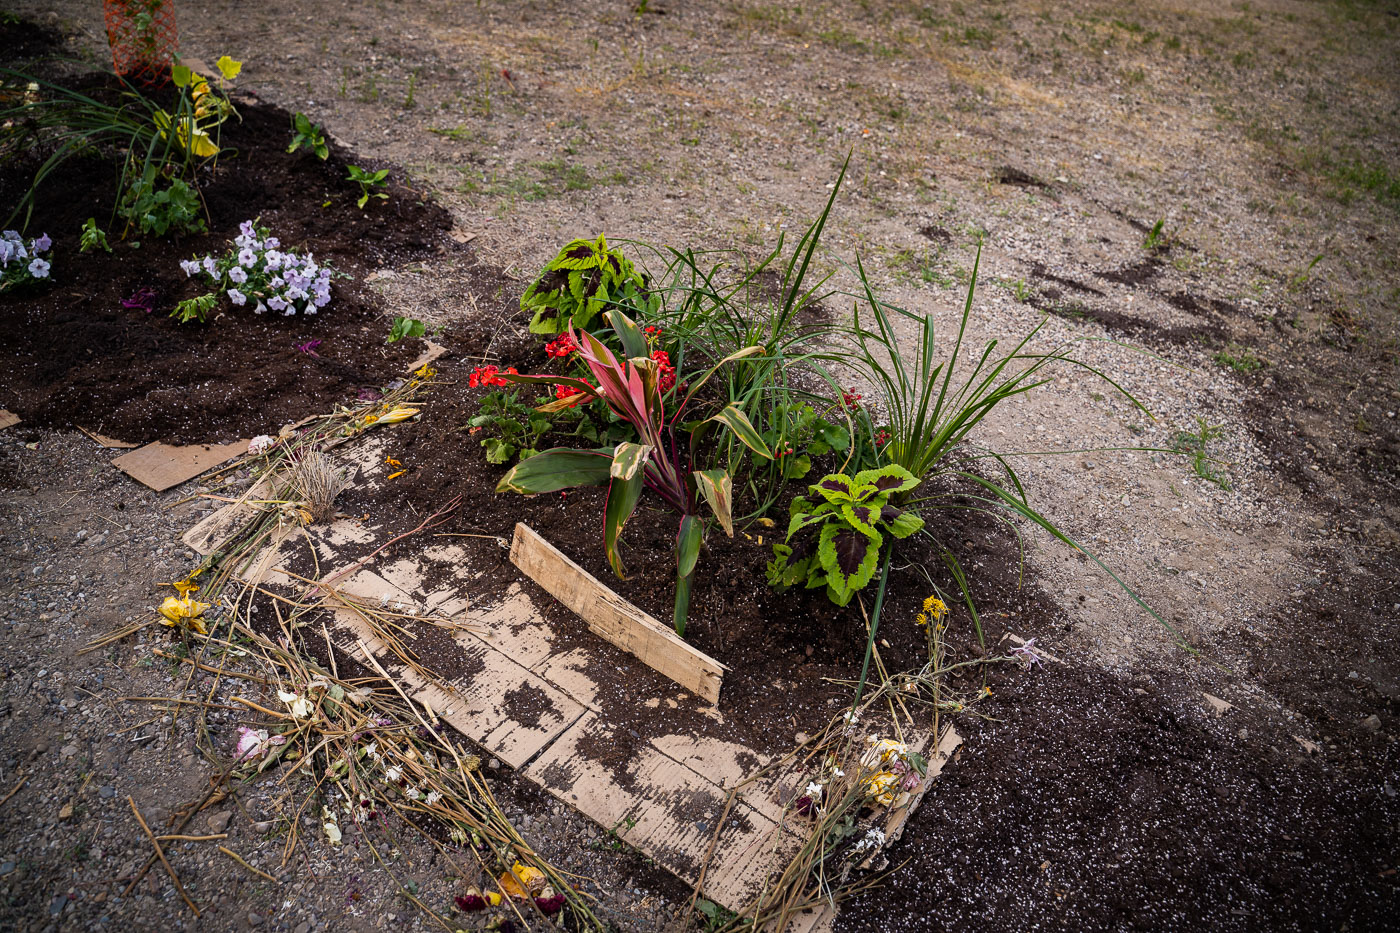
(874, 623)
(682, 610)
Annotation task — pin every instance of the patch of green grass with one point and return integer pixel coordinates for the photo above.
(555, 178)
(907, 265)
(1240, 359)
(456, 133)
(1373, 178)
(1196, 445)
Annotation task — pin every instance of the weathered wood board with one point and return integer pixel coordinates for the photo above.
(614, 618)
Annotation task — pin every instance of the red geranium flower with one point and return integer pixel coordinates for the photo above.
(487, 376)
(561, 346)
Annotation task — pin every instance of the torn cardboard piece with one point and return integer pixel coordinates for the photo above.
(8, 418)
(111, 443)
(161, 466)
(431, 352)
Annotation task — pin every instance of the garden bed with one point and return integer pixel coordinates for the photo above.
(75, 356)
(792, 656)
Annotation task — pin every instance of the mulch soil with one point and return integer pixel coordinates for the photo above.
(73, 356)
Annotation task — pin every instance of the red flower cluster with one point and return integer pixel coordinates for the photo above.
(561, 346)
(562, 392)
(487, 376)
(668, 372)
(882, 437)
(850, 399)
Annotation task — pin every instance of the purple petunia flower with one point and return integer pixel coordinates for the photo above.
(39, 269)
(246, 257)
(42, 244)
(246, 228)
(237, 297)
(237, 276)
(143, 298)
(210, 269)
(1028, 654)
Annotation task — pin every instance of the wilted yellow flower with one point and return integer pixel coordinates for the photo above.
(395, 415)
(533, 879)
(882, 785)
(187, 612)
(299, 706)
(934, 608)
(883, 752)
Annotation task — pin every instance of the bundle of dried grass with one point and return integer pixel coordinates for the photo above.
(317, 480)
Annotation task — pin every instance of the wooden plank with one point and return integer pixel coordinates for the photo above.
(614, 618)
(430, 352)
(161, 466)
(215, 528)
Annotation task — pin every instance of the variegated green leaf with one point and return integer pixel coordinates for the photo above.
(717, 489)
(623, 493)
(735, 420)
(559, 468)
(628, 459)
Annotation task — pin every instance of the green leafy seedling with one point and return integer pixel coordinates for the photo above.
(308, 135)
(1155, 238)
(92, 237)
(405, 327)
(370, 183)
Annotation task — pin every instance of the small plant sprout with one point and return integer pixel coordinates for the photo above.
(370, 183)
(1196, 445)
(405, 327)
(1155, 238)
(316, 481)
(309, 136)
(92, 237)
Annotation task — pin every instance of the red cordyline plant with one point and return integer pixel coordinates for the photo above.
(632, 387)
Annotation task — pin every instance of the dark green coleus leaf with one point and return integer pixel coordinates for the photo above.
(848, 555)
(889, 480)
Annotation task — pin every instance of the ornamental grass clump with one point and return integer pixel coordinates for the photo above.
(257, 270)
(156, 147)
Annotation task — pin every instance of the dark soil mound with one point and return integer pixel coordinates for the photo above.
(71, 354)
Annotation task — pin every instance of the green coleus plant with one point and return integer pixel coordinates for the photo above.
(840, 531)
(584, 279)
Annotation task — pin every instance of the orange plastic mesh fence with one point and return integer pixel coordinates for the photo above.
(143, 38)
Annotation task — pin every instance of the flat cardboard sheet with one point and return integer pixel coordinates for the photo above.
(161, 466)
(8, 418)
